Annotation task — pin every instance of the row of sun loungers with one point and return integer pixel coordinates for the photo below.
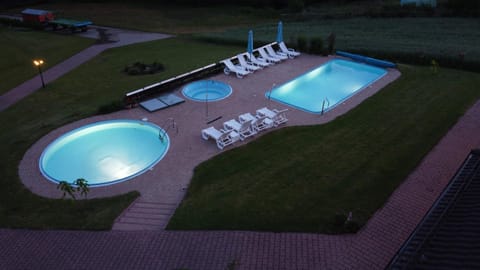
(248, 63)
(247, 125)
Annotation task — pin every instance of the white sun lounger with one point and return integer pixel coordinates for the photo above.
(230, 67)
(221, 137)
(258, 124)
(290, 52)
(277, 116)
(244, 129)
(243, 62)
(259, 62)
(265, 56)
(273, 53)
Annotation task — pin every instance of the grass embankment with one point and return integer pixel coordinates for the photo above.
(72, 97)
(306, 178)
(19, 47)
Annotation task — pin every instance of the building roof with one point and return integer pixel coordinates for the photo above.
(448, 237)
(30, 11)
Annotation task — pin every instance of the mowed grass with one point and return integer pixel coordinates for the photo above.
(72, 97)
(424, 37)
(155, 17)
(19, 47)
(303, 178)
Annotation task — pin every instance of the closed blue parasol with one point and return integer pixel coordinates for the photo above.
(280, 32)
(250, 43)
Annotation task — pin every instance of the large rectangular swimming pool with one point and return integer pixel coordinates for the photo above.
(326, 86)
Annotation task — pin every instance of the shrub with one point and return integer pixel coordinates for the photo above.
(302, 43)
(139, 68)
(316, 45)
(331, 43)
(345, 223)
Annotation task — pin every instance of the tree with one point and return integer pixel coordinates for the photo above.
(67, 188)
(82, 186)
(79, 185)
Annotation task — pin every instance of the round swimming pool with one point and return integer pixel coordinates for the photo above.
(207, 90)
(105, 153)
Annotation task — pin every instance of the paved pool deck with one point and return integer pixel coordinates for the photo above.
(371, 248)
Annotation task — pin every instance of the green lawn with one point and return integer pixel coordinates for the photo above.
(20, 46)
(305, 178)
(428, 37)
(294, 179)
(154, 17)
(72, 97)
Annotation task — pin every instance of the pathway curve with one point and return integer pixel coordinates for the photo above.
(109, 38)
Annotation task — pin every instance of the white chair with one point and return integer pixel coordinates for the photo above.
(258, 124)
(230, 67)
(290, 52)
(265, 56)
(273, 53)
(277, 116)
(221, 137)
(244, 129)
(259, 61)
(243, 62)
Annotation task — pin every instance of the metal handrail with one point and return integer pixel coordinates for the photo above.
(323, 104)
(169, 123)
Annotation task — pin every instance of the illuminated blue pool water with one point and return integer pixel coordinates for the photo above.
(326, 86)
(105, 152)
(207, 90)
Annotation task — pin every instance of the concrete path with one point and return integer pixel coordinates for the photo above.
(110, 38)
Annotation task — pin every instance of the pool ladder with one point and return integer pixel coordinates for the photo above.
(169, 123)
(323, 104)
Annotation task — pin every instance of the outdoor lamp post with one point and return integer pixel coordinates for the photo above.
(38, 63)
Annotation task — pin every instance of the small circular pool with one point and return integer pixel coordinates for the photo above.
(105, 153)
(207, 90)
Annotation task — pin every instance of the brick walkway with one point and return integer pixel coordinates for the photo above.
(371, 248)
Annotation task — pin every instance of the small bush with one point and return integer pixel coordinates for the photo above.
(345, 223)
(139, 68)
(331, 43)
(316, 45)
(302, 44)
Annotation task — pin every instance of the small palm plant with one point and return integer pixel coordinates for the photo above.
(67, 188)
(82, 186)
(79, 185)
